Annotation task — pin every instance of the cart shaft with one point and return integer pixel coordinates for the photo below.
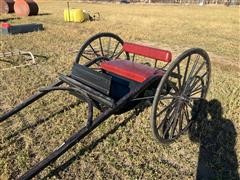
(27, 102)
(67, 145)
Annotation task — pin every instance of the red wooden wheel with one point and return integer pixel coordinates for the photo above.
(26, 8)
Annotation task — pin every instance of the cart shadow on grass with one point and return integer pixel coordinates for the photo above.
(13, 137)
(9, 19)
(85, 149)
(94, 144)
(217, 138)
(60, 111)
(44, 14)
(43, 120)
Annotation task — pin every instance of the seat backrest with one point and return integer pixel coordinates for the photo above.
(94, 79)
(146, 51)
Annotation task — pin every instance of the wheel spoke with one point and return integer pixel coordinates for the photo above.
(167, 129)
(195, 86)
(100, 42)
(172, 85)
(93, 50)
(86, 57)
(165, 108)
(169, 112)
(167, 97)
(195, 74)
(193, 69)
(163, 121)
(88, 52)
(196, 89)
(199, 91)
(171, 119)
(181, 119)
(186, 70)
(174, 125)
(109, 45)
(186, 113)
(175, 120)
(198, 79)
(118, 54)
(195, 98)
(167, 103)
(179, 78)
(189, 104)
(115, 50)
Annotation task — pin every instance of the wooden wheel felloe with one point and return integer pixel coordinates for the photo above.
(102, 46)
(185, 81)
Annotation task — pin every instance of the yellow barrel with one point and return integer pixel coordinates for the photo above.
(74, 15)
(67, 15)
(77, 15)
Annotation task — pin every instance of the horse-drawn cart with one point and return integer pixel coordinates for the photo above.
(110, 75)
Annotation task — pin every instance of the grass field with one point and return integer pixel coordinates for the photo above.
(122, 147)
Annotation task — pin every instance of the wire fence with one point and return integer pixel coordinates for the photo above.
(200, 2)
(226, 2)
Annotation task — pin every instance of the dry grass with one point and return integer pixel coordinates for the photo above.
(122, 147)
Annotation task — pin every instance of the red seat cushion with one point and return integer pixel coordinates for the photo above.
(130, 70)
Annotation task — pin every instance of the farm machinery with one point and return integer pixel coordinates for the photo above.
(113, 76)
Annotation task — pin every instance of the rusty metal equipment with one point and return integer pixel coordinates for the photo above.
(29, 57)
(26, 8)
(6, 6)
